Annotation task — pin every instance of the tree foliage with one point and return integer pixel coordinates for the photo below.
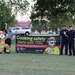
(56, 12)
(39, 26)
(19, 5)
(6, 16)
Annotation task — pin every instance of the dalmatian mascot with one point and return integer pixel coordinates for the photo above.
(51, 49)
(2, 44)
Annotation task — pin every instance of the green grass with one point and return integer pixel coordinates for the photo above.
(36, 64)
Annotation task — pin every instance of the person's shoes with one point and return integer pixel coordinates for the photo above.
(73, 54)
(60, 54)
(65, 54)
(0, 52)
(70, 55)
(8, 53)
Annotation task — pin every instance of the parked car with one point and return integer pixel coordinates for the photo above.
(21, 30)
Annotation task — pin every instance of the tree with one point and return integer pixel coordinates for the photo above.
(56, 12)
(6, 16)
(38, 26)
(19, 5)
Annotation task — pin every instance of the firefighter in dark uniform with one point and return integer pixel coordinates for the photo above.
(64, 40)
(71, 34)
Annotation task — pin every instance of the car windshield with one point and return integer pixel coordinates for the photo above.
(17, 28)
(25, 28)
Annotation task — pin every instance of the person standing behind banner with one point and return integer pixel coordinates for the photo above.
(10, 35)
(64, 40)
(8, 40)
(71, 34)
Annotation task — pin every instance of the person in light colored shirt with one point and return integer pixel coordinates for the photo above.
(8, 40)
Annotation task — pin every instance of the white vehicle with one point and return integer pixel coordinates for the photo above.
(21, 30)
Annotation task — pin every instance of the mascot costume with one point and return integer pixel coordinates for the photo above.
(51, 49)
(2, 43)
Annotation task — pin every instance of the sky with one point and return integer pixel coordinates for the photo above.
(25, 17)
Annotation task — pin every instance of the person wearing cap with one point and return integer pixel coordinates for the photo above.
(71, 34)
(64, 40)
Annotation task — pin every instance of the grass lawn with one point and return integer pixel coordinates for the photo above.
(36, 64)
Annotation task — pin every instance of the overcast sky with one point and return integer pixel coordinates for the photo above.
(25, 17)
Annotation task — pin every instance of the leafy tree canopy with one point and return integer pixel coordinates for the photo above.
(56, 12)
(6, 14)
(18, 5)
(54, 7)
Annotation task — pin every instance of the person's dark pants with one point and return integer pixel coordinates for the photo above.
(71, 47)
(7, 41)
(64, 42)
